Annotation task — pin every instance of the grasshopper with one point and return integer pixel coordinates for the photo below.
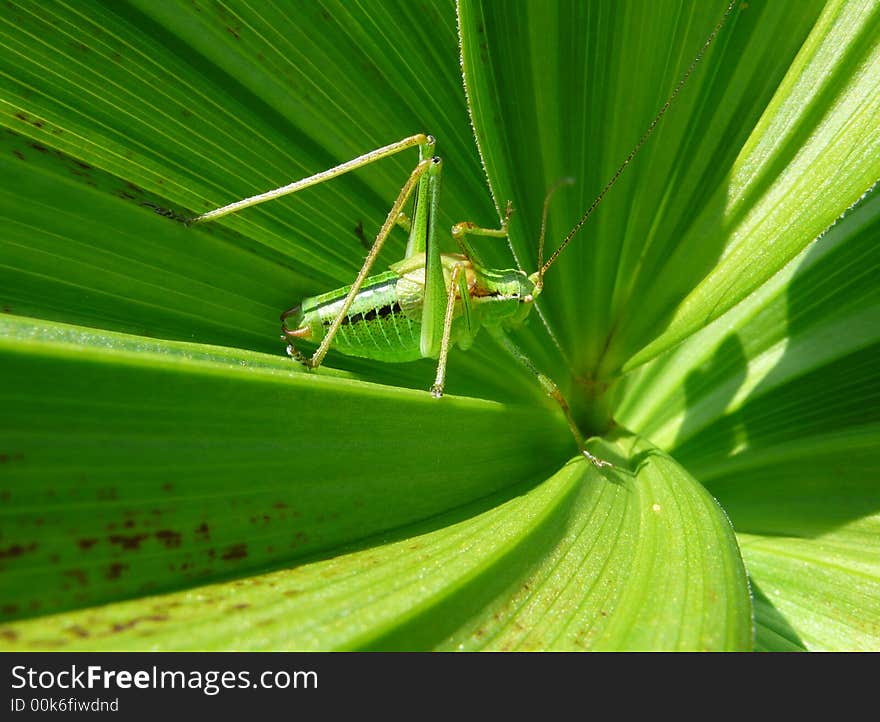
(430, 300)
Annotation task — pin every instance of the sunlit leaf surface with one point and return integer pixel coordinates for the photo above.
(570, 559)
(169, 480)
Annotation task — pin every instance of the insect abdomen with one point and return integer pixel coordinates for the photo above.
(383, 333)
(375, 327)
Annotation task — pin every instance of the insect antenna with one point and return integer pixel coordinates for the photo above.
(647, 134)
(555, 187)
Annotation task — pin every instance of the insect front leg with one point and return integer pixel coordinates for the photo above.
(466, 228)
(550, 388)
(457, 287)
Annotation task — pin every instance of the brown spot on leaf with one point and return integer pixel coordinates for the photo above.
(122, 626)
(18, 154)
(16, 550)
(299, 538)
(78, 574)
(171, 539)
(128, 542)
(163, 606)
(114, 571)
(235, 551)
(8, 634)
(86, 543)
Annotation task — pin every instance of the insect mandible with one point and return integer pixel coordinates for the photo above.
(430, 300)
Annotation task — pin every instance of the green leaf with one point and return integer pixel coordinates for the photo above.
(721, 197)
(564, 566)
(813, 153)
(170, 480)
(157, 464)
(805, 338)
(185, 107)
(817, 593)
(775, 408)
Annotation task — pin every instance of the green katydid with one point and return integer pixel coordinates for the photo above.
(430, 300)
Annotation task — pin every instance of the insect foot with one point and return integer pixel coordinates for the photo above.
(597, 462)
(296, 355)
(165, 212)
(437, 391)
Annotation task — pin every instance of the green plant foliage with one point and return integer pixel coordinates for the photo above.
(648, 525)
(169, 480)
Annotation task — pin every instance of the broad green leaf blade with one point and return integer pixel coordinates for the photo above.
(813, 154)
(567, 90)
(775, 408)
(151, 465)
(111, 106)
(768, 143)
(808, 517)
(649, 562)
(579, 550)
(825, 590)
(125, 460)
(805, 339)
